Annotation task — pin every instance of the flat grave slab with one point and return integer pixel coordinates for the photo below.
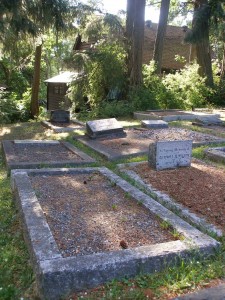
(23, 154)
(67, 254)
(171, 115)
(170, 154)
(217, 154)
(103, 127)
(152, 124)
(194, 193)
(73, 125)
(137, 141)
(207, 120)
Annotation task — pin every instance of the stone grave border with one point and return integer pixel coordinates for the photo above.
(216, 154)
(112, 155)
(57, 276)
(58, 129)
(168, 202)
(184, 116)
(8, 153)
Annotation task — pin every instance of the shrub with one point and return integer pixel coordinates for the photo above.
(11, 110)
(187, 87)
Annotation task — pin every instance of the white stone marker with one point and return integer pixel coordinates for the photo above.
(170, 154)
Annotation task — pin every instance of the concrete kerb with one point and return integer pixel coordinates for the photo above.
(58, 276)
(112, 155)
(216, 154)
(9, 156)
(169, 202)
(58, 129)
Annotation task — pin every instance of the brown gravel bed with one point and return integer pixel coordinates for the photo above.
(37, 153)
(140, 138)
(67, 125)
(200, 187)
(89, 214)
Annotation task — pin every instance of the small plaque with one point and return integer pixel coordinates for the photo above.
(99, 128)
(60, 116)
(170, 154)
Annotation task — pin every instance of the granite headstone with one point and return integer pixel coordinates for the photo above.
(60, 116)
(104, 127)
(170, 154)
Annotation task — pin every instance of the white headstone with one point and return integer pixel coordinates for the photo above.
(170, 154)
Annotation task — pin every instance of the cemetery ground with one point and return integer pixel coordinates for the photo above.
(16, 276)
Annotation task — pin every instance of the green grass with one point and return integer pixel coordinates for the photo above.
(16, 276)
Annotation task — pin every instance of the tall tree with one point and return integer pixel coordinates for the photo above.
(200, 29)
(135, 35)
(161, 31)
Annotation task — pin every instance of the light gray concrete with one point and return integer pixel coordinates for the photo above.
(58, 276)
(153, 124)
(213, 293)
(170, 154)
(216, 154)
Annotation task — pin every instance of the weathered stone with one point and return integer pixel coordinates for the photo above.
(103, 127)
(170, 154)
(154, 124)
(60, 116)
(208, 120)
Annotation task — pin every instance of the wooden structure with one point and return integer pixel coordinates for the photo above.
(173, 45)
(57, 87)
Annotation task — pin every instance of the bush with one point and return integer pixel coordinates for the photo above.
(187, 88)
(11, 110)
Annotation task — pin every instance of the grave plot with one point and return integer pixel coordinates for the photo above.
(59, 127)
(137, 141)
(196, 193)
(22, 154)
(86, 226)
(169, 115)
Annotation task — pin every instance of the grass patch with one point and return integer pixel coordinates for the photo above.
(16, 276)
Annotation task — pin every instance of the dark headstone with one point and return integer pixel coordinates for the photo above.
(170, 154)
(154, 124)
(60, 116)
(104, 127)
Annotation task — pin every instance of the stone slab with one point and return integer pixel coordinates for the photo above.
(217, 154)
(208, 120)
(172, 115)
(103, 127)
(170, 154)
(60, 116)
(75, 125)
(58, 277)
(152, 124)
(169, 202)
(13, 163)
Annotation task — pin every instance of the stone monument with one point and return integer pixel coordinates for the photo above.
(104, 127)
(60, 116)
(170, 154)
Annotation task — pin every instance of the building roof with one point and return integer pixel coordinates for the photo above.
(65, 77)
(173, 45)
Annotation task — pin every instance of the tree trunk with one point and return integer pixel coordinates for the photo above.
(161, 31)
(222, 75)
(137, 44)
(129, 33)
(200, 24)
(36, 82)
